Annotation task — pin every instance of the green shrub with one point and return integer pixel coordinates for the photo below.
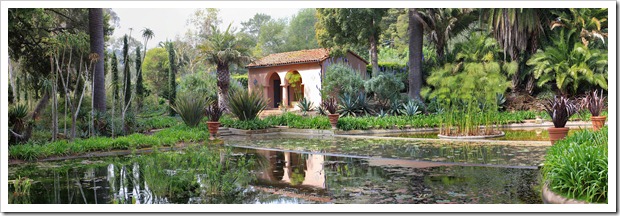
(246, 106)
(576, 167)
(384, 86)
(253, 124)
(341, 79)
(191, 108)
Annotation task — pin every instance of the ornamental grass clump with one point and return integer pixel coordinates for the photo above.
(595, 102)
(246, 105)
(191, 108)
(577, 167)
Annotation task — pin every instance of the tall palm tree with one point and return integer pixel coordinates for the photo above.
(223, 49)
(95, 28)
(444, 23)
(517, 30)
(416, 31)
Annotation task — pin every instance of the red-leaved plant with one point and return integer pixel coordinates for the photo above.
(595, 102)
(560, 109)
(330, 105)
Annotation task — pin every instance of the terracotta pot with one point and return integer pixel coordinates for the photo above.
(333, 120)
(598, 122)
(557, 133)
(213, 126)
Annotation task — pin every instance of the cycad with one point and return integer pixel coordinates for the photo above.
(569, 64)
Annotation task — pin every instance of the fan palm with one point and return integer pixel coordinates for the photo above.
(569, 63)
(223, 49)
(444, 23)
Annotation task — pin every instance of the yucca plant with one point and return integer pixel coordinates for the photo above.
(305, 106)
(560, 109)
(246, 105)
(191, 108)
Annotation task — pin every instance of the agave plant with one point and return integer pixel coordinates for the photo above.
(214, 112)
(330, 105)
(305, 106)
(381, 113)
(348, 105)
(246, 105)
(500, 100)
(395, 107)
(595, 102)
(191, 108)
(362, 105)
(560, 109)
(411, 108)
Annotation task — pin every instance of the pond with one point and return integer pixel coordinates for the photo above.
(537, 134)
(258, 175)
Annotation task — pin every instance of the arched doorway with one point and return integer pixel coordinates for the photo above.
(275, 89)
(295, 86)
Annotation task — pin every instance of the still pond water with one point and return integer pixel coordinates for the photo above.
(305, 171)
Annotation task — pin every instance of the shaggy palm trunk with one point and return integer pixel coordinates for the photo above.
(415, 54)
(223, 83)
(95, 26)
(172, 86)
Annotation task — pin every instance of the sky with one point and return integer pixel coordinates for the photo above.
(167, 23)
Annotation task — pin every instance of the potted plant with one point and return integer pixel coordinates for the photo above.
(595, 103)
(214, 113)
(560, 109)
(330, 105)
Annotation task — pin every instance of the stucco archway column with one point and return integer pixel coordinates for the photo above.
(284, 94)
(266, 94)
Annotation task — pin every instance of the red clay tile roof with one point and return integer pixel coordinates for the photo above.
(295, 57)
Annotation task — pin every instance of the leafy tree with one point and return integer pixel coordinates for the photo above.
(570, 64)
(343, 28)
(203, 19)
(272, 38)
(253, 25)
(222, 49)
(155, 68)
(301, 33)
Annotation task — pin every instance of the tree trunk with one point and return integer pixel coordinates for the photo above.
(223, 83)
(373, 56)
(415, 54)
(95, 25)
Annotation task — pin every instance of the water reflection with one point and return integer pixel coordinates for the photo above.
(246, 175)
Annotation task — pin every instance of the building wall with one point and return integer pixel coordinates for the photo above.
(311, 77)
(258, 80)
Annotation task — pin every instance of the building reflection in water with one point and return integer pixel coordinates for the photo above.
(294, 169)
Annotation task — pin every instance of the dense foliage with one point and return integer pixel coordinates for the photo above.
(341, 79)
(577, 166)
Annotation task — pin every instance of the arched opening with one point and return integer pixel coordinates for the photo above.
(275, 89)
(295, 86)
